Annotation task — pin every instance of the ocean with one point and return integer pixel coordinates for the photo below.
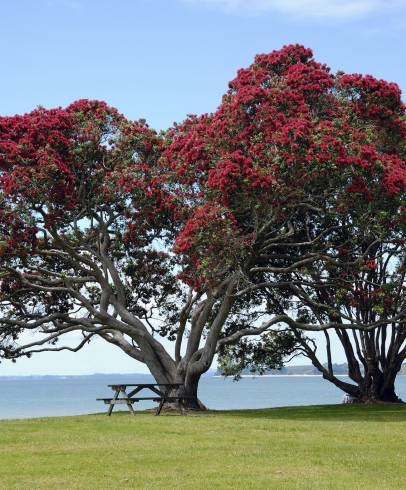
(26, 397)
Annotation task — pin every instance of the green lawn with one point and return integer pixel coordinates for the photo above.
(323, 447)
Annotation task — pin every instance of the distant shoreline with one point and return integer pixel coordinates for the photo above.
(277, 376)
(7, 377)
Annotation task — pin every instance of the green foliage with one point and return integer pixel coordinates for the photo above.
(259, 355)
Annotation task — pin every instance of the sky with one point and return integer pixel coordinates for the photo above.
(163, 59)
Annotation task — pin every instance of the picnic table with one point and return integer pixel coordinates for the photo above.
(160, 393)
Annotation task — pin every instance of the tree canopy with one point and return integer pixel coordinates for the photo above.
(297, 184)
(281, 212)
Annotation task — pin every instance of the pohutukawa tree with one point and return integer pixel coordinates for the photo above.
(212, 228)
(295, 192)
(86, 231)
(76, 228)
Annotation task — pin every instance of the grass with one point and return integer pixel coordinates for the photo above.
(321, 447)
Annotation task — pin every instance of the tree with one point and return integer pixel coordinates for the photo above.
(363, 291)
(86, 229)
(108, 225)
(296, 184)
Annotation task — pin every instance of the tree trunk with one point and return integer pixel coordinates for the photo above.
(373, 373)
(189, 402)
(188, 389)
(378, 387)
(372, 387)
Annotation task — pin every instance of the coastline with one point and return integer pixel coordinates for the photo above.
(278, 376)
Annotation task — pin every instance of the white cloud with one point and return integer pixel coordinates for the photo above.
(305, 8)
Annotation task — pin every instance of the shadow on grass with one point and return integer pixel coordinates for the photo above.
(393, 412)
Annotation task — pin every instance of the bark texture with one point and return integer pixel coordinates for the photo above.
(373, 359)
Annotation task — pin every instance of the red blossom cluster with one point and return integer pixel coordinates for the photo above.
(372, 98)
(286, 129)
(222, 227)
(56, 163)
(286, 126)
(16, 236)
(42, 152)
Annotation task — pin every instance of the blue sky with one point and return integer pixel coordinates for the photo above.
(164, 59)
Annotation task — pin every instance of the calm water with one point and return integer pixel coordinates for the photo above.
(73, 395)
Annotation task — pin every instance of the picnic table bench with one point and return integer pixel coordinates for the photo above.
(160, 393)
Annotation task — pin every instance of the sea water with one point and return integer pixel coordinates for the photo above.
(24, 397)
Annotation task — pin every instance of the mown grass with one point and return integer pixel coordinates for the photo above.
(321, 447)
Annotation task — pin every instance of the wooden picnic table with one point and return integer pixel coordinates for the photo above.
(160, 393)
